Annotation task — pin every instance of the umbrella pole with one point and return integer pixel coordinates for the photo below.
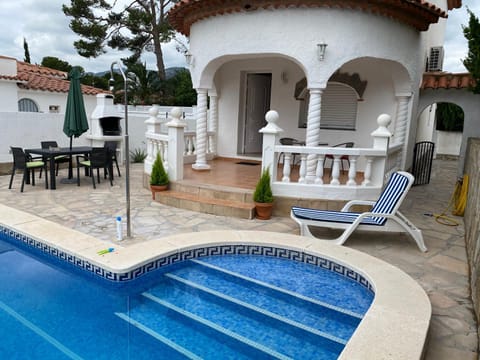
(70, 172)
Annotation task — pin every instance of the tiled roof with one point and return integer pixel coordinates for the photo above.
(454, 4)
(417, 13)
(35, 77)
(442, 80)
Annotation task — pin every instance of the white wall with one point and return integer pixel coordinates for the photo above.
(27, 130)
(448, 142)
(295, 33)
(44, 99)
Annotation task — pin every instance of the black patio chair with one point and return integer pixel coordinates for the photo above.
(58, 159)
(112, 149)
(98, 159)
(290, 142)
(27, 164)
(343, 157)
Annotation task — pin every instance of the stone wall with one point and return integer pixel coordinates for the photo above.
(472, 219)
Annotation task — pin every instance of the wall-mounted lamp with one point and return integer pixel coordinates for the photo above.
(321, 50)
(188, 57)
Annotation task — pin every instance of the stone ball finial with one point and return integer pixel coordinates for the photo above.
(176, 112)
(153, 111)
(384, 120)
(272, 117)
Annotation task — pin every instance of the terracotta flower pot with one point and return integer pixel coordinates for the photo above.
(157, 188)
(263, 211)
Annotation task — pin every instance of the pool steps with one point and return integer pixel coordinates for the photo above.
(188, 354)
(216, 327)
(141, 316)
(256, 309)
(276, 288)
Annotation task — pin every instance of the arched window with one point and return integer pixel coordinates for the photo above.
(27, 105)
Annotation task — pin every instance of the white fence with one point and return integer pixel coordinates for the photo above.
(28, 129)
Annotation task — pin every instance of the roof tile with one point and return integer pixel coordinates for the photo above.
(443, 80)
(36, 77)
(417, 13)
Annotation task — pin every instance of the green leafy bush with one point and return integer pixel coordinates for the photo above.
(158, 176)
(263, 190)
(138, 155)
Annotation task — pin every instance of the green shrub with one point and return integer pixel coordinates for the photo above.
(138, 155)
(158, 176)
(263, 190)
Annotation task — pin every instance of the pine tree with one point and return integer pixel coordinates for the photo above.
(27, 52)
(472, 61)
(99, 26)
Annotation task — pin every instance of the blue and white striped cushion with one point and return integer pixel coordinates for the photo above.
(390, 196)
(387, 201)
(333, 216)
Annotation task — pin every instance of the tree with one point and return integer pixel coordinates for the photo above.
(449, 117)
(179, 90)
(472, 61)
(53, 62)
(141, 26)
(144, 86)
(27, 52)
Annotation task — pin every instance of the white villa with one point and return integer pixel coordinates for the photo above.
(328, 68)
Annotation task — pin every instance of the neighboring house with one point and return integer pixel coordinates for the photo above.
(32, 105)
(34, 88)
(329, 68)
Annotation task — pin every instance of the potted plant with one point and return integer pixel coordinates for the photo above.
(159, 177)
(263, 196)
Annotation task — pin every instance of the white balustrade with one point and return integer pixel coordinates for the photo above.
(371, 162)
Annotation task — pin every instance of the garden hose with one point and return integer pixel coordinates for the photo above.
(458, 200)
(461, 190)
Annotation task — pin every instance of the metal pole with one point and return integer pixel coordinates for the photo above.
(127, 147)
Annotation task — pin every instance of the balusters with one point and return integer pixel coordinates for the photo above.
(368, 172)
(303, 168)
(352, 170)
(287, 158)
(335, 170)
(319, 171)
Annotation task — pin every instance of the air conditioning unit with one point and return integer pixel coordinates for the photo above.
(435, 59)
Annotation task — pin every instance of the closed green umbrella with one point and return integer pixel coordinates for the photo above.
(75, 123)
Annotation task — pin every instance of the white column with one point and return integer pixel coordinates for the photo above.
(381, 137)
(153, 127)
(213, 121)
(176, 144)
(313, 131)
(201, 144)
(271, 132)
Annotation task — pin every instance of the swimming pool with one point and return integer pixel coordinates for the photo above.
(394, 327)
(228, 306)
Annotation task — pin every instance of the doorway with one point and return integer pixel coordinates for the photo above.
(257, 103)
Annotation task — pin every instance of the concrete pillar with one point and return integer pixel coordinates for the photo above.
(201, 144)
(313, 131)
(176, 144)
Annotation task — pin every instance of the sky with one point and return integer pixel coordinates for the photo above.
(47, 32)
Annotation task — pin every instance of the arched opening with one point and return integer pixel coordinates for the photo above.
(442, 123)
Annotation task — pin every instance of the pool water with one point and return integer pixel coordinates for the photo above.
(219, 307)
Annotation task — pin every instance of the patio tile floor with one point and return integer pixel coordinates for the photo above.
(442, 271)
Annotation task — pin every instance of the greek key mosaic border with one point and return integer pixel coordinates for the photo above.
(232, 249)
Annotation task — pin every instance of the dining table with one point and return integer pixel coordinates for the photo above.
(50, 154)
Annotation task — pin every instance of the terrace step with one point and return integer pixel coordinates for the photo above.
(209, 199)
